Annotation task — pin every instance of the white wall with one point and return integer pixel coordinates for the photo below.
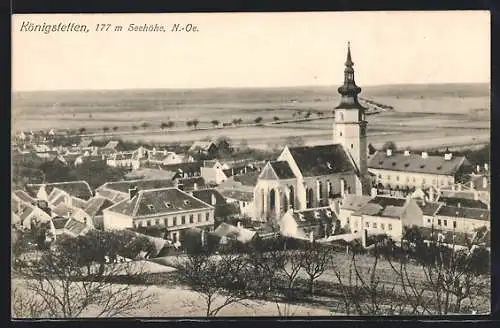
(411, 179)
(116, 221)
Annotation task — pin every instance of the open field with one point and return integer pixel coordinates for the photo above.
(424, 115)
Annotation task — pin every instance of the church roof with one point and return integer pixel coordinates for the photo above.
(321, 160)
(416, 163)
(282, 170)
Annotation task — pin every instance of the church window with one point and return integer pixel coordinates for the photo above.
(382, 226)
(423, 180)
(341, 116)
(380, 176)
(352, 146)
(389, 226)
(341, 133)
(367, 224)
(414, 180)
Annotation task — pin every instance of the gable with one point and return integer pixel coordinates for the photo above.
(268, 173)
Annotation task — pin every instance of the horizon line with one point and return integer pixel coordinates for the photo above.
(249, 87)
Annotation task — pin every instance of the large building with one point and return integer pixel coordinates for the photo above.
(167, 208)
(309, 177)
(408, 171)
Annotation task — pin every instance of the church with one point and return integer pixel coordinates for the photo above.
(310, 177)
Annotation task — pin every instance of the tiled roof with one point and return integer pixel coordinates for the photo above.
(415, 163)
(354, 203)
(80, 189)
(78, 203)
(249, 179)
(142, 184)
(429, 209)
(188, 183)
(464, 202)
(192, 167)
(246, 196)
(321, 160)
(96, 204)
(62, 209)
(388, 207)
(113, 195)
(314, 216)
(282, 170)
(24, 196)
(206, 196)
(75, 227)
(462, 212)
(59, 222)
(149, 174)
(158, 201)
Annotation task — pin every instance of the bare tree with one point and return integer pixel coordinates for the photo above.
(145, 125)
(115, 128)
(215, 123)
(59, 286)
(258, 120)
(195, 123)
(220, 280)
(315, 260)
(82, 130)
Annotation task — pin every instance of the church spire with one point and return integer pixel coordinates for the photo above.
(349, 90)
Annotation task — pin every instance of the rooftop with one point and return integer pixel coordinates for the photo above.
(96, 204)
(141, 184)
(314, 216)
(158, 201)
(354, 202)
(464, 202)
(463, 212)
(321, 160)
(416, 163)
(240, 195)
(205, 195)
(428, 208)
(79, 189)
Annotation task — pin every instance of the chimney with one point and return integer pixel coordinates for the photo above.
(478, 168)
(459, 205)
(389, 152)
(373, 192)
(424, 155)
(202, 236)
(485, 182)
(407, 153)
(195, 186)
(132, 192)
(238, 225)
(431, 194)
(476, 195)
(486, 166)
(448, 156)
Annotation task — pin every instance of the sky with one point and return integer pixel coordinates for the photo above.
(252, 50)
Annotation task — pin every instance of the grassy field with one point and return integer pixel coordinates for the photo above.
(423, 114)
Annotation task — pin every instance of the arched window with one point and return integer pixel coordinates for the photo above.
(292, 197)
(285, 202)
(272, 199)
(309, 196)
(320, 189)
(341, 117)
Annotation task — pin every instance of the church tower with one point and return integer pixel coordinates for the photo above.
(349, 127)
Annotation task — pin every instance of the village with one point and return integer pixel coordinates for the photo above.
(177, 197)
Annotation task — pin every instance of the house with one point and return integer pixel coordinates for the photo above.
(348, 205)
(94, 209)
(461, 219)
(222, 210)
(116, 146)
(184, 170)
(169, 208)
(120, 159)
(68, 226)
(308, 224)
(208, 148)
(244, 200)
(119, 190)
(463, 202)
(476, 186)
(167, 157)
(304, 177)
(213, 171)
(399, 171)
(429, 210)
(28, 214)
(386, 215)
(149, 174)
(87, 159)
(227, 233)
(139, 156)
(75, 213)
(53, 192)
